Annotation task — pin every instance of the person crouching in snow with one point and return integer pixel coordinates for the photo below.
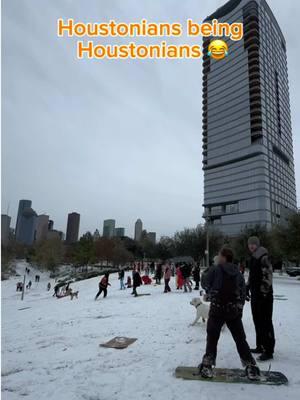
(137, 281)
(103, 284)
(167, 277)
(226, 287)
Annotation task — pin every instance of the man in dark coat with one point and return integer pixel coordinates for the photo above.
(260, 287)
(103, 284)
(137, 281)
(226, 287)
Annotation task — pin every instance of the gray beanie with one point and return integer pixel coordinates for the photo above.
(254, 240)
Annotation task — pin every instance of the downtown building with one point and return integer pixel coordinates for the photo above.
(72, 228)
(247, 137)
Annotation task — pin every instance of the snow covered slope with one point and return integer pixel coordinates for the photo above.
(50, 350)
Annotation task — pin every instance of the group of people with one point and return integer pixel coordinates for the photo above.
(227, 291)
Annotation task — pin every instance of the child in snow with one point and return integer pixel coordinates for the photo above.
(167, 277)
(180, 279)
(121, 277)
(226, 287)
(128, 283)
(103, 284)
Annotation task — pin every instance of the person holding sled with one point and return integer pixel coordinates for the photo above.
(226, 287)
(260, 287)
(103, 284)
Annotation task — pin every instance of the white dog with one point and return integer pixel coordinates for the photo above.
(202, 309)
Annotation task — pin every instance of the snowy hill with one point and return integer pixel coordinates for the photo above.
(50, 347)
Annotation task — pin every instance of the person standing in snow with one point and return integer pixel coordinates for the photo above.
(103, 284)
(196, 276)
(158, 273)
(137, 281)
(226, 287)
(179, 278)
(167, 277)
(186, 273)
(260, 286)
(121, 277)
(49, 286)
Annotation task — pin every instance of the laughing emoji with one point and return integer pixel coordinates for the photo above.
(218, 49)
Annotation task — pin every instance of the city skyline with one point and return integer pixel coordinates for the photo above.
(67, 150)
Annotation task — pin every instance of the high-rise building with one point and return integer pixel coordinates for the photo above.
(22, 205)
(120, 232)
(151, 236)
(41, 227)
(138, 229)
(5, 229)
(247, 137)
(73, 227)
(109, 228)
(53, 234)
(27, 226)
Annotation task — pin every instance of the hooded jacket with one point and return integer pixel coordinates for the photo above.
(214, 281)
(260, 281)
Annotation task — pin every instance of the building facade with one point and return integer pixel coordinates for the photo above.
(27, 226)
(5, 229)
(109, 228)
(41, 227)
(247, 137)
(22, 205)
(120, 232)
(72, 228)
(151, 236)
(138, 229)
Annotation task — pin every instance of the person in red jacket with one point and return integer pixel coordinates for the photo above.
(103, 284)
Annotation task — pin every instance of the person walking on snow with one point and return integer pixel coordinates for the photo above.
(196, 276)
(260, 287)
(103, 284)
(226, 287)
(167, 277)
(179, 277)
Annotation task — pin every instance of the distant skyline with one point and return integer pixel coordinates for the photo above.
(109, 139)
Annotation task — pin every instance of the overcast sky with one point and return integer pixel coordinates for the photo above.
(109, 139)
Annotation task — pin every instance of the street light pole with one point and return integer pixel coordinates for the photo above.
(23, 288)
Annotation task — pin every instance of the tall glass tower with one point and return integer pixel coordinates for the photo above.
(247, 137)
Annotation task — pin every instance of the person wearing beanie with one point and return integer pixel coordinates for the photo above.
(260, 287)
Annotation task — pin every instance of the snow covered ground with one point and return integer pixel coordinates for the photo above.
(50, 350)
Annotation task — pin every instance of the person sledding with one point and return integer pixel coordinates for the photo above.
(226, 287)
(103, 284)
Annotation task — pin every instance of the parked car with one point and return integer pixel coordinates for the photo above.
(293, 271)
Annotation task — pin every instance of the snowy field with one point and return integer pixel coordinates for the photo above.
(51, 349)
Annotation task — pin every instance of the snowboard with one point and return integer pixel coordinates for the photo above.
(226, 375)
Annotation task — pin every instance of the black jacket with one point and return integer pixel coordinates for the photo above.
(196, 274)
(224, 284)
(260, 274)
(137, 280)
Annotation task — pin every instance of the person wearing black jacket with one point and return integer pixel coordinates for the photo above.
(196, 276)
(121, 277)
(137, 281)
(260, 287)
(226, 287)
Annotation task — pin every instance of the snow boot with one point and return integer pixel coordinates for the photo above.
(257, 350)
(253, 372)
(206, 371)
(265, 357)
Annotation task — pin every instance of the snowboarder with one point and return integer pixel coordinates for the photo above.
(227, 290)
(260, 287)
(196, 276)
(167, 277)
(103, 284)
(137, 281)
(121, 277)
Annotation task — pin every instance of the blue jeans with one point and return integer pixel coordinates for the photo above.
(122, 286)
